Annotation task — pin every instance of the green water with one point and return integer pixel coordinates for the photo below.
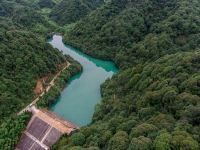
(77, 101)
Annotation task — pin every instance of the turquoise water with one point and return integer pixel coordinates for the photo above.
(77, 101)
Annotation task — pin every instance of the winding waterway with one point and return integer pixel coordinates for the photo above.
(77, 101)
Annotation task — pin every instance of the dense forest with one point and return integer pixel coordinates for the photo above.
(20, 65)
(153, 106)
(25, 56)
(134, 32)
(153, 103)
(70, 11)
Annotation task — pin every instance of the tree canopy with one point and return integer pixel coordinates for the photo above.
(153, 103)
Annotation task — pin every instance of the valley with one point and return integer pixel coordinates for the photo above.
(144, 91)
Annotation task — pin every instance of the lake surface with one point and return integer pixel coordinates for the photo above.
(77, 101)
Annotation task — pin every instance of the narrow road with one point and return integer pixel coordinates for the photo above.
(52, 83)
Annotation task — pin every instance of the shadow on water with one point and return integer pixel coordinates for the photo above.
(78, 99)
(98, 62)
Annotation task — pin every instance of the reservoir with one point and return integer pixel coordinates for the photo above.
(78, 99)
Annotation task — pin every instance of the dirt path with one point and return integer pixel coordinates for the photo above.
(52, 83)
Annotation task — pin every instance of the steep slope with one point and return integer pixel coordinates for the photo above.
(25, 57)
(69, 11)
(21, 65)
(20, 12)
(154, 102)
(153, 106)
(132, 32)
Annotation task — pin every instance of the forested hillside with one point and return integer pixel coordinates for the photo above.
(20, 12)
(133, 32)
(154, 102)
(69, 11)
(153, 106)
(25, 57)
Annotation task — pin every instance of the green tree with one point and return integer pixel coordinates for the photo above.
(78, 139)
(119, 141)
(140, 143)
(163, 141)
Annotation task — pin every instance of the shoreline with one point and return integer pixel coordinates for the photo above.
(50, 85)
